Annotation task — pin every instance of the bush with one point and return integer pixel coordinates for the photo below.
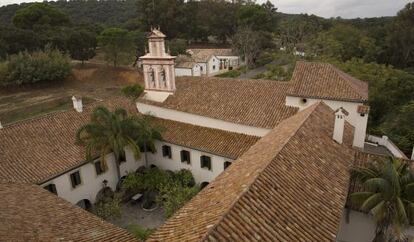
(173, 196)
(39, 66)
(108, 208)
(185, 177)
(139, 232)
(132, 91)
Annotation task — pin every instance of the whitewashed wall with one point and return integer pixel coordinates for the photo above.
(195, 71)
(354, 118)
(175, 164)
(233, 61)
(183, 72)
(360, 228)
(213, 66)
(203, 68)
(199, 120)
(91, 183)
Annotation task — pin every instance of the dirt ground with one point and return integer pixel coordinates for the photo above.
(92, 81)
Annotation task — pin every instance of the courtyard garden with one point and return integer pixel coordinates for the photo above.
(145, 199)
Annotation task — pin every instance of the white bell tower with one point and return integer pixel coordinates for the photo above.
(158, 68)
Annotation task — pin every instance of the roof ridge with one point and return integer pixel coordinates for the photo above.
(308, 112)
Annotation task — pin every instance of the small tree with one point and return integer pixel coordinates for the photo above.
(117, 45)
(388, 195)
(132, 92)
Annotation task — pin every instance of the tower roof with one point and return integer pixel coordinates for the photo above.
(155, 33)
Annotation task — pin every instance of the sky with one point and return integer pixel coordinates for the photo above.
(323, 8)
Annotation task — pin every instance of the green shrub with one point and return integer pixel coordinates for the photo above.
(108, 208)
(173, 196)
(139, 232)
(231, 74)
(132, 91)
(185, 177)
(39, 66)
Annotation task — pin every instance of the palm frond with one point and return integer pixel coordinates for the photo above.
(371, 202)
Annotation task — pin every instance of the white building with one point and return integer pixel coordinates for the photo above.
(268, 149)
(215, 61)
(186, 66)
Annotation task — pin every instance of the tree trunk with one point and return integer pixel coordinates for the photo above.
(145, 154)
(118, 169)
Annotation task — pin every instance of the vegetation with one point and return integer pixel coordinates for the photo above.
(139, 232)
(388, 195)
(117, 45)
(39, 66)
(109, 132)
(109, 207)
(169, 189)
(132, 92)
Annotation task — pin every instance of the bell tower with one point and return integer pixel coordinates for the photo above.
(158, 66)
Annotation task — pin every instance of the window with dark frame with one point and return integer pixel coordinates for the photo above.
(98, 168)
(166, 151)
(226, 164)
(205, 162)
(75, 179)
(51, 188)
(185, 156)
(122, 158)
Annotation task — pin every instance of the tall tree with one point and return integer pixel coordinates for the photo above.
(246, 43)
(147, 135)
(388, 195)
(109, 132)
(39, 14)
(117, 45)
(82, 44)
(401, 38)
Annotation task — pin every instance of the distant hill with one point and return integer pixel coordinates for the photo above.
(115, 13)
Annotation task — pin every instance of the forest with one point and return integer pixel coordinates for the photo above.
(379, 51)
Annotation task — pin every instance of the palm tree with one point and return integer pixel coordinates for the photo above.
(109, 132)
(388, 195)
(148, 133)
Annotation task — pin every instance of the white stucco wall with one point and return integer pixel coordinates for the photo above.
(196, 70)
(354, 118)
(91, 183)
(203, 68)
(213, 65)
(360, 228)
(233, 61)
(183, 72)
(175, 164)
(194, 119)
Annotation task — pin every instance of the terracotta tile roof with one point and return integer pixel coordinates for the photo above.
(224, 143)
(183, 61)
(257, 103)
(290, 186)
(322, 80)
(35, 150)
(203, 55)
(30, 213)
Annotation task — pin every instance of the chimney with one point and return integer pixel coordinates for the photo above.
(339, 125)
(412, 154)
(77, 104)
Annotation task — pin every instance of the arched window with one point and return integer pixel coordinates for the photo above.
(203, 185)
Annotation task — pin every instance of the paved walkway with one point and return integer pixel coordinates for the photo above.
(250, 74)
(132, 213)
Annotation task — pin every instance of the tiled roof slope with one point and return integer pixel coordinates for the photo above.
(30, 213)
(290, 186)
(257, 103)
(184, 61)
(203, 55)
(322, 80)
(224, 143)
(35, 150)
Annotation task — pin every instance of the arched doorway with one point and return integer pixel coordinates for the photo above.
(203, 185)
(85, 204)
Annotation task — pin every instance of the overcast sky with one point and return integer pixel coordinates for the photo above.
(324, 8)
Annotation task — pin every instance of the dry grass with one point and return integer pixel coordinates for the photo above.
(92, 81)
